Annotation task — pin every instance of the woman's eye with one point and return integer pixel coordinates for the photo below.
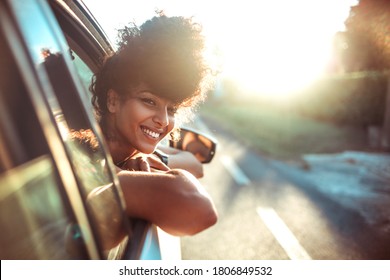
(148, 101)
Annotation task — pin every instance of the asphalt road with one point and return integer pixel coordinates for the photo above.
(332, 207)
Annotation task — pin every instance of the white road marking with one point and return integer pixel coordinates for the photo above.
(283, 234)
(235, 171)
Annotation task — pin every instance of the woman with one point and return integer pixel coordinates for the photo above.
(155, 76)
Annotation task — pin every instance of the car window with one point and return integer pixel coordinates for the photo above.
(63, 92)
(36, 218)
(89, 161)
(85, 74)
(34, 222)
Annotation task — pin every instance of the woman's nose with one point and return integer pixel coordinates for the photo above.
(161, 117)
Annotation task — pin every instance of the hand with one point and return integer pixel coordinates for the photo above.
(143, 162)
(136, 164)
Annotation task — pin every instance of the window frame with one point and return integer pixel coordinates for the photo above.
(26, 67)
(42, 97)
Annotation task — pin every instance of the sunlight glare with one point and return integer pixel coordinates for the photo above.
(280, 47)
(268, 47)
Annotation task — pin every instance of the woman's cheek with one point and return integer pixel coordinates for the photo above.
(171, 125)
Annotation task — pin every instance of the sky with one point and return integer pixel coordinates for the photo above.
(272, 47)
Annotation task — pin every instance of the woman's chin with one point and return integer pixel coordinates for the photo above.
(147, 150)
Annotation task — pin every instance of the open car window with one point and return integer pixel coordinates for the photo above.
(37, 217)
(60, 90)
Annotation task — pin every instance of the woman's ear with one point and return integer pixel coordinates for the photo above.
(112, 101)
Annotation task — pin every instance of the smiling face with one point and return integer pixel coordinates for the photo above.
(141, 119)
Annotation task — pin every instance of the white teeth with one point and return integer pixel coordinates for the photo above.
(151, 133)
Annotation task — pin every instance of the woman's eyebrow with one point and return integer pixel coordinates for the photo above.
(170, 103)
(147, 91)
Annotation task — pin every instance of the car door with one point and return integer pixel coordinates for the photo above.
(42, 213)
(46, 98)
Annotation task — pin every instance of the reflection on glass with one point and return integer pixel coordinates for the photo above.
(33, 24)
(34, 224)
(87, 158)
(62, 93)
(101, 199)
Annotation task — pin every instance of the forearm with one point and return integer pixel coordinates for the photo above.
(175, 201)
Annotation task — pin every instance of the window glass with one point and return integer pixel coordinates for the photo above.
(85, 74)
(92, 158)
(41, 40)
(34, 224)
(66, 98)
(36, 219)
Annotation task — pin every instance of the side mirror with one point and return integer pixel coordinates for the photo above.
(199, 144)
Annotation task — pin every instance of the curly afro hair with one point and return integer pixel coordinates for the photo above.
(165, 53)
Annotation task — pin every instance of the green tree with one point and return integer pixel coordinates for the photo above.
(367, 36)
(367, 46)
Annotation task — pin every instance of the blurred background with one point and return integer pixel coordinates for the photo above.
(301, 111)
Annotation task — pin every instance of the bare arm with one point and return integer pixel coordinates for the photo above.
(173, 200)
(177, 160)
(183, 160)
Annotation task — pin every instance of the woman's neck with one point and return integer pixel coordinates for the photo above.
(119, 150)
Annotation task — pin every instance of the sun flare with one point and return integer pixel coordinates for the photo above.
(276, 69)
(276, 48)
(268, 47)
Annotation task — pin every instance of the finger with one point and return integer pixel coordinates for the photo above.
(158, 164)
(144, 165)
(132, 164)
